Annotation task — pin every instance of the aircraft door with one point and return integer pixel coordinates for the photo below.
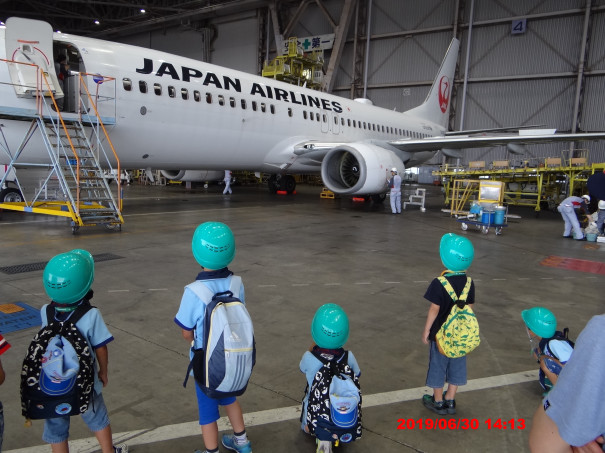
(335, 123)
(325, 122)
(30, 41)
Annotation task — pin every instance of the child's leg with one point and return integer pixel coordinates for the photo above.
(210, 435)
(61, 447)
(451, 392)
(104, 438)
(236, 418)
(436, 374)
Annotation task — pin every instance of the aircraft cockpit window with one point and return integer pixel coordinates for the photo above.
(244, 107)
(209, 98)
(263, 107)
(197, 97)
(184, 94)
(290, 112)
(221, 99)
(272, 109)
(171, 91)
(127, 84)
(142, 86)
(232, 102)
(157, 88)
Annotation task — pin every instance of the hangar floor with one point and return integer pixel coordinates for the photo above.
(294, 254)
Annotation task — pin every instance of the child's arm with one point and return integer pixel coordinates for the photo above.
(2, 375)
(103, 359)
(430, 318)
(188, 335)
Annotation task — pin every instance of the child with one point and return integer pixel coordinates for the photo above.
(457, 254)
(213, 247)
(552, 350)
(601, 217)
(4, 345)
(67, 280)
(330, 331)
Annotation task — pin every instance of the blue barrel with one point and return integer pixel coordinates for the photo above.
(499, 215)
(487, 217)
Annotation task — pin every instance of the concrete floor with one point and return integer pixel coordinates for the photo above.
(296, 253)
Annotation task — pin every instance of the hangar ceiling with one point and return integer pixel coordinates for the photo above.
(122, 18)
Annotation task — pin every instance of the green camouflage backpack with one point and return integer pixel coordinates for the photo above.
(459, 334)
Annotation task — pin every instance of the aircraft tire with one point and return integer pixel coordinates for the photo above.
(288, 184)
(11, 194)
(273, 184)
(379, 198)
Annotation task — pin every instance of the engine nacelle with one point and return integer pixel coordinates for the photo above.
(193, 175)
(359, 169)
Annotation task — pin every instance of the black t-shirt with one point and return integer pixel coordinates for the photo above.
(437, 295)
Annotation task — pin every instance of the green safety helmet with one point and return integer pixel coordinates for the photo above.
(213, 245)
(330, 327)
(540, 321)
(68, 276)
(456, 252)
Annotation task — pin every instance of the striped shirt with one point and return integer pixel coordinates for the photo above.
(4, 345)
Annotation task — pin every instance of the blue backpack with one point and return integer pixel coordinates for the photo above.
(223, 366)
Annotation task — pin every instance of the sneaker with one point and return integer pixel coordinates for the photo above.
(568, 237)
(324, 446)
(436, 406)
(120, 448)
(230, 444)
(583, 239)
(450, 406)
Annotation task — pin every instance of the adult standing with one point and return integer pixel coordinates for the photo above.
(395, 185)
(568, 208)
(227, 180)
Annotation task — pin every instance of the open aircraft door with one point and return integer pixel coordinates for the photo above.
(30, 41)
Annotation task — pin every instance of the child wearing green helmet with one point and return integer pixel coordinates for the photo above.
(549, 346)
(67, 279)
(456, 254)
(330, 332)
(213, 247)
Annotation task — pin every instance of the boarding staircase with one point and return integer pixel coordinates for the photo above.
(78, 147)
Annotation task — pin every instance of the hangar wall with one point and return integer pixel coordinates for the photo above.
(527, 78)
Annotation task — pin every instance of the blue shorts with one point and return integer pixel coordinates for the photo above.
(208, 407)
(56, 430)
(442, 369)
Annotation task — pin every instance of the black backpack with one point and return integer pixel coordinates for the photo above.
(320, 407)
(42, 394)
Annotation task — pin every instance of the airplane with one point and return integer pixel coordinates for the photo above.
(188, 117)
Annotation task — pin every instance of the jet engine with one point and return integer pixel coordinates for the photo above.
(193, 175)
(359, 169)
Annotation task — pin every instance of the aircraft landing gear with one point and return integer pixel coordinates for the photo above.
(282, 182)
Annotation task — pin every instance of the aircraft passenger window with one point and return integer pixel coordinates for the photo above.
(142, 86)
(197, 96)
(373, 127)
(157, 88)
(382, 128)
(342, 121)
(184, 94)
(364, 125)
(349, 122)
(354, 123)
(272, 108)
(289, 112)
(232, 102)
(243, 104)
(312, 116)
(127, 84)
(208, 98)
(304, 114)
(336, 120)
(263, 107)
(171, 91)
(254, 105)
(221, 99)
(317, 117)
(325, 118)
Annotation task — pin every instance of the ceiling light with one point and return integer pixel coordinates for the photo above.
(97, 22)
(142, 10)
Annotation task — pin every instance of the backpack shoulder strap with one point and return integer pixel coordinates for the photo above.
(235, 286)
(80, 311)
(448, 288)
(204, 293)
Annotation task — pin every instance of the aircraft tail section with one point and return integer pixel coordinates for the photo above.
(436, 106)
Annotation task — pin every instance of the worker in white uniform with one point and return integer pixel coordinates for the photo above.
(227, 180)
(395, 185)
(567, 208)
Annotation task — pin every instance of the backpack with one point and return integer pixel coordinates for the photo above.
(57, 375)
(335, 399)
(554, 364)
(459, 334)
(223, 366)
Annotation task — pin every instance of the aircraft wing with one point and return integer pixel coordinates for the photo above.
(483, 141)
